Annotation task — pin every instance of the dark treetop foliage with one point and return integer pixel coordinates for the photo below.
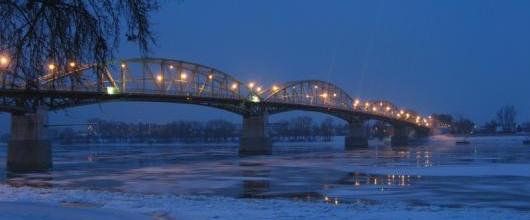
(36, 32)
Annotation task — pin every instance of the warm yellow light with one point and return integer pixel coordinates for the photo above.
(407, 115)
(324, 95)
(4, 60)
(251, 85)
(258, 89)
(234, 86)
(183, 76)
(275, 88)
(210, 77)
(367, 104)
(159, 78)
(356, 102)
(401, 112)
(51, 66)
(123, 65)
(72, 64)
(387, 108)
(374, 109)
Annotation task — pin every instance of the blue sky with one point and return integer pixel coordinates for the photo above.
(461, 57)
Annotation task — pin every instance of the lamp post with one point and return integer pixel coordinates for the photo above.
(4, 64)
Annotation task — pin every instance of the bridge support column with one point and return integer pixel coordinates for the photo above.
(357, 137)
(29, 148)
(255, 136)
(400, 136)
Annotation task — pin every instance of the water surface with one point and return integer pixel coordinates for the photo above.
(491, 172)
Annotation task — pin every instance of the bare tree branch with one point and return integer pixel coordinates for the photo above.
(37, 32)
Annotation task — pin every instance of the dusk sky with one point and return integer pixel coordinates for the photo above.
(461, 57)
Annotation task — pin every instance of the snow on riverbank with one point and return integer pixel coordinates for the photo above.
(50, 203)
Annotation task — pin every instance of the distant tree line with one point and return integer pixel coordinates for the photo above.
(304, 128)
(301, 128)
(504, 123)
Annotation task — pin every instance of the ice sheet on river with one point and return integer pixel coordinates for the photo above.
(33, 203)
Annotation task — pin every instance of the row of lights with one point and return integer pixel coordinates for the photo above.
(401, 114)
(419, 120)
(52, 66)
(5, 60)
(254, 87)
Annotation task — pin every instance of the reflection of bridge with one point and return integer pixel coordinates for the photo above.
(163, 80)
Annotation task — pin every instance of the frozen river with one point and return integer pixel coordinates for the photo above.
(489, 178)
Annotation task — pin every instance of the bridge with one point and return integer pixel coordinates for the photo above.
(72, 84)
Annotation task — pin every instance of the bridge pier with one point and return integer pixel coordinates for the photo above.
(357, 137)
(255, 138)
(400, 136)
(29, 148)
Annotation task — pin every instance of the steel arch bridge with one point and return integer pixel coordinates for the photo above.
(177, 81)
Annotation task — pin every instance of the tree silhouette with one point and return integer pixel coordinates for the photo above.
(506, 117)
(36, 32)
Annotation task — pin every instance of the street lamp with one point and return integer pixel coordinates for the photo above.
(4, 60)
(159, 78)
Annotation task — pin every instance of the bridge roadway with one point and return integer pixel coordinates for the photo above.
(175, 81)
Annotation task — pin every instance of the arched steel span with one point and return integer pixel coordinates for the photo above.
(166, 80)
(149, 79)
(309, 92)
(180, 77)
(325, 97)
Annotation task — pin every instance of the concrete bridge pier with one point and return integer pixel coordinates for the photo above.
(357, 137)
(400, 136)
(29, 148)
(255, 138)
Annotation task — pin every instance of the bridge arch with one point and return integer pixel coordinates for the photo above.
(310, 93)
(170, 76)
(147, 76)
